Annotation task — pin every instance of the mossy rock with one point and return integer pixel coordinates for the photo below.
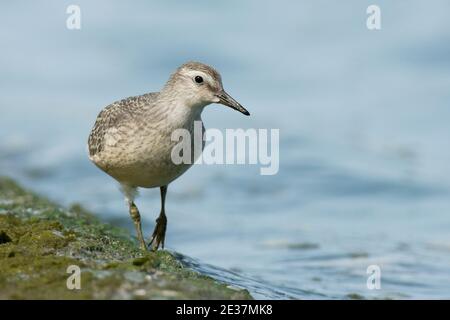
(40, 240)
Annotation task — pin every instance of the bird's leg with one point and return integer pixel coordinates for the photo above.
(159, 234)
(134, 213)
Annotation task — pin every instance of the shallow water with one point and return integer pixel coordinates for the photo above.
(364, 135)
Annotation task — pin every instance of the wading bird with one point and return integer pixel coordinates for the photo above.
(131, 138)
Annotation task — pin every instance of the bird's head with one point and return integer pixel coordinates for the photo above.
(198, 85)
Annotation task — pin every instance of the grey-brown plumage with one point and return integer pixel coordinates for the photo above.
(112, 115)
(131, 138)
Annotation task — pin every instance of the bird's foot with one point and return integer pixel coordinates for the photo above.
(159, 234)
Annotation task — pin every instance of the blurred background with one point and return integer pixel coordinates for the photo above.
(364, 133)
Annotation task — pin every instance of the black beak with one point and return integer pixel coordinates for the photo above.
(227, 100)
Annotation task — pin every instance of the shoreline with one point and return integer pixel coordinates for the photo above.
(45, 249)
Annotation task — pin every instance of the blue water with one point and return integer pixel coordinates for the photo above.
(364, 133)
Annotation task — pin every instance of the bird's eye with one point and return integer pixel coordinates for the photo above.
(198, 79)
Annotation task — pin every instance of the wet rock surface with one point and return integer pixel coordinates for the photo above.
(40, 241)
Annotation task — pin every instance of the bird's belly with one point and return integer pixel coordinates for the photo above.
(148, 175)
(142, 163)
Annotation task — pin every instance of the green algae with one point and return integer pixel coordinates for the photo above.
(355, 296)
(39, 240)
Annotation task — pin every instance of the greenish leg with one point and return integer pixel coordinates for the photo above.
(134, 213)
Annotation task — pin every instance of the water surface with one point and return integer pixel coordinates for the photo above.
(364, 135)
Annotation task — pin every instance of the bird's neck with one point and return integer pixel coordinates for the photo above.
(179, 110)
